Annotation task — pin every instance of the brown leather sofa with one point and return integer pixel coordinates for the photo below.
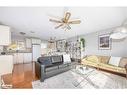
(101, 62)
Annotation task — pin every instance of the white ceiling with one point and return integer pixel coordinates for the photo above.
(36, 19)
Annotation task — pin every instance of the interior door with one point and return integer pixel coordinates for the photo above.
(36, 52)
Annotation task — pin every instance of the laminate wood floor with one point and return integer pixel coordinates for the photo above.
(22, 77)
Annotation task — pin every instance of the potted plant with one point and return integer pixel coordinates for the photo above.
(82, 40)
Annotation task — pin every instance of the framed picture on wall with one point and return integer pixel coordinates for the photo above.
(60, 45)
(104, 42)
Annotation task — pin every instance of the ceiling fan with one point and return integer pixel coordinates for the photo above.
(65, 21)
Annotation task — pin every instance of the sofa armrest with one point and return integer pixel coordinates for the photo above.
(42, 73)
(83, 61)
(38, 69)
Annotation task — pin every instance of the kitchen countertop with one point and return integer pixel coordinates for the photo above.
(6, 55)
(19, 51)
(13, 52)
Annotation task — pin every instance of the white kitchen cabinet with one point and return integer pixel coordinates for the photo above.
(36, 41)
(27, 57)
(20, 58)
(5, 35)
(15, 58)
(6, 64)
(28, 43)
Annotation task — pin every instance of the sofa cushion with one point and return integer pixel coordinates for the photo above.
(123, 62)
(56, 59)
(112, 68)
(114, 61)
(85, 62)
(92, 59)
(63, 65)
(99, 58)
(45, 61)
(51, 68)
(104, 59)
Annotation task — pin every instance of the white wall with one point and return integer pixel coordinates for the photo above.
(118, 48)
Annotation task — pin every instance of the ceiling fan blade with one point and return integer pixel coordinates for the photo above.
(59, 26)
(74, 22)
(57, 21)
(67, 16)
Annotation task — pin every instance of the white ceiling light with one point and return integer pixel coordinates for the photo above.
(118, 35)
(123, 30)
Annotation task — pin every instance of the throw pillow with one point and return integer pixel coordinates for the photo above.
(123, 62)
(114, 61)
(105, 59)
(66, 58)
(92, 59)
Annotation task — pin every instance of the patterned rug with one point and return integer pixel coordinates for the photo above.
(73, 80)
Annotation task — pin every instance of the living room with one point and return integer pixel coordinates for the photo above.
(77, 45)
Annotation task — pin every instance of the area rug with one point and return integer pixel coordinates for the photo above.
(72, 80)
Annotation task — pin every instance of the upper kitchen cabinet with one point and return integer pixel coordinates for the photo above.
(36, 41)
(28, 43)
(5, 35)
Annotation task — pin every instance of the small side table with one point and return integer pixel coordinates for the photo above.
(126, 70)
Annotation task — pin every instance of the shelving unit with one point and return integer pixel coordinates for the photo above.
(74, 49)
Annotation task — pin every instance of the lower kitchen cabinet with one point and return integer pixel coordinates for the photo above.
(27, 57)
(22, 58)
